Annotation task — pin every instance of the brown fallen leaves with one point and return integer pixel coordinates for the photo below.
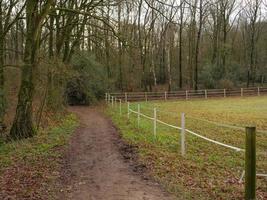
(31, 178)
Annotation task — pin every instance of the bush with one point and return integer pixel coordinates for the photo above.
(207, 77)
(90, 82)
(226, 84)
(213, 76)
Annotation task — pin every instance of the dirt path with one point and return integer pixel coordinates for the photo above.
(96, 168)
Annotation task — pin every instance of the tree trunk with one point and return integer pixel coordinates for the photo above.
(120, 48)
(198, 44)
(22, 126)
(153, 43)
(181, 46)
(49, 101)
(2, 93)
(2, 58)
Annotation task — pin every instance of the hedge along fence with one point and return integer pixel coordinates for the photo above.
(250, 151)
(189, 94)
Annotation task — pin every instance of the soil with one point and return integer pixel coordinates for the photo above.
(100, 166)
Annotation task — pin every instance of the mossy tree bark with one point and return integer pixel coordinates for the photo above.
(23, 124)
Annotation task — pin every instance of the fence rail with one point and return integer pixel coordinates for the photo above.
(183, 129)
(190, 94)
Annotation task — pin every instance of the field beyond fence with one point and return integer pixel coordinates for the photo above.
(206, 134)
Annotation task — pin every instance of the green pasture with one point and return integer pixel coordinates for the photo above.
(208, 171)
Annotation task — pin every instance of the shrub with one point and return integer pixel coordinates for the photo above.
(90, 82)
(226, 84)
(207, 77)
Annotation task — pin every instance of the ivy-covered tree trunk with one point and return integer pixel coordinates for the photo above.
(23, 124)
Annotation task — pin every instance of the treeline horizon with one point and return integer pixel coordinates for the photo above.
(187, 44)
(87, 47)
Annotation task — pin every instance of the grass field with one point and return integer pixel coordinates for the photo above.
(208, 171)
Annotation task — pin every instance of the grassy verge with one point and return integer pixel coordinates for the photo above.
(28, 168)
(208, 171)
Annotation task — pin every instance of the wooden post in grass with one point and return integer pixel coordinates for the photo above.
(120, 107)
(242, 92)
(259, 94)
(250, 164)
(155, 123)
(128, 110)
(224, 93)
(138, 115)
(146, 96)
(183, 134)
(112, 101)
(206, 94)
(165, 96)
(126, 97)
(186, 95)
(106, 97)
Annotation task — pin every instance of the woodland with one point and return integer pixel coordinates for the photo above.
(59, 52)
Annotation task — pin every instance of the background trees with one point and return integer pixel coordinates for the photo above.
(133, 45)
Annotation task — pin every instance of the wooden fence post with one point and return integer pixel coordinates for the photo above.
(128, 109)
(146, 96)
(138, 115)
(259, 94)
(155, 123)
(242, 92)
(186, 95)
(224, 93)
(250, 163)
(183, 134)
(165, 96)
(126, 97)
(120, 107)
(206, 94)
(112, 101)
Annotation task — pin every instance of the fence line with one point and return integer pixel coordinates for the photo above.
(262, 175)
(239, 127)
(226, 125)
(190, 94)
(216, 142)
(169, 125)
(189, 131)
(182, 129)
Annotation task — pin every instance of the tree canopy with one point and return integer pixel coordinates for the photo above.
(129, 45)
